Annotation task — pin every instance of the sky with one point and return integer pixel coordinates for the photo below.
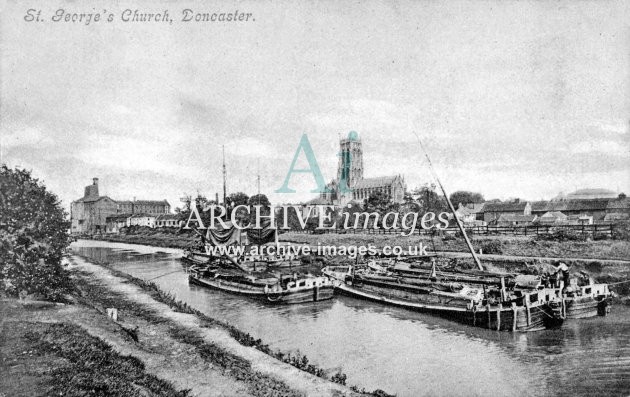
(512, 99)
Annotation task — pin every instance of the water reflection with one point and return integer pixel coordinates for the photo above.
(401, 351)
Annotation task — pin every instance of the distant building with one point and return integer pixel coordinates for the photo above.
(358, 188)
(619, 206)
(167, 220)
(515, 220)
(471, 213)
(597, 209)
(552, 218)
(117, 222)
(614, 217)
(591, 194)
(146, 220)
(144, 207)
(93, 213)
(579, 220)
(492, 211)
(89, 213)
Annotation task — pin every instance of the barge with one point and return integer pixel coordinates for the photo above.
(286, 289)
(519, 311)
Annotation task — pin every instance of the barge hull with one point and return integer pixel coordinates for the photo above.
(285, 297)
(515, 319)
(585, 307)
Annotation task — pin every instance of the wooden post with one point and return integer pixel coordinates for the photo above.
(527, 304)
(489, 317)
(514, 314)
(499, 316)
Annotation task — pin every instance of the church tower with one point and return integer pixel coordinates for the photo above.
(350, 168)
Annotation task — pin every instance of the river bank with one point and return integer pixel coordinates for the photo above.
(605, 260)
(401, 351)
(523, 246)
(183, 353)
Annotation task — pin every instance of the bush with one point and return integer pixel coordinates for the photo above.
(33, 237)
(594, 267)
(492, 247)
(621, 232)
(561, 235)
(448, 237)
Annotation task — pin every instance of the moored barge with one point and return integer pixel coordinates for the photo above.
(286, 289)
(521, 311)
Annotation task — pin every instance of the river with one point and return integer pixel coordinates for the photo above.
(400, 351)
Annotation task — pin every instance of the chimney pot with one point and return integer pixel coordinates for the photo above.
(95, 181)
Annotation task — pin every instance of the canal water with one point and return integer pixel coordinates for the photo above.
(400, 351)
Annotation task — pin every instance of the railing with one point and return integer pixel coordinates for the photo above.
(530, 230)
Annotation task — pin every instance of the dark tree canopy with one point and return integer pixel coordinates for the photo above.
(465, 197)
(259, 199)
(238, 198)
(378, 202)
(33, 237)
(429, 200)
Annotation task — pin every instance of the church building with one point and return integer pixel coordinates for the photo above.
(350, 184)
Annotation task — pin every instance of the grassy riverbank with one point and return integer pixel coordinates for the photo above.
(158, 346)
(64, 359)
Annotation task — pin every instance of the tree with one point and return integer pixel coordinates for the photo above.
(429, 200)
(378, 202)
(238, 198)
(33, 237)
(465, 197)
(621, 196)
(259, 199)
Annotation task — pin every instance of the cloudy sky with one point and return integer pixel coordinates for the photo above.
(512, 99)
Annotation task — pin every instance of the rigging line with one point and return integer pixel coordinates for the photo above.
(165, 274)
(619, 282)
(450, 204)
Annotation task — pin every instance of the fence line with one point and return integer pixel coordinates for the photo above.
(531, 230)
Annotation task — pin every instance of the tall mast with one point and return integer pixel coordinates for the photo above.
(258, 180)
(224, 178)
(450, 206)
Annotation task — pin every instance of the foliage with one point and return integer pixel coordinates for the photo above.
(600, 236)
(465, 197)
(259, 199)
(621, 231)
(238, 198)
(340, 378)
(561, 235)
(429, 200)
(492, 247)
(92, 367)
(377, 202)
(33, 237)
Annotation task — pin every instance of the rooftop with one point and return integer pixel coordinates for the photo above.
(379, 181)
(516, 218)
(512, 206)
